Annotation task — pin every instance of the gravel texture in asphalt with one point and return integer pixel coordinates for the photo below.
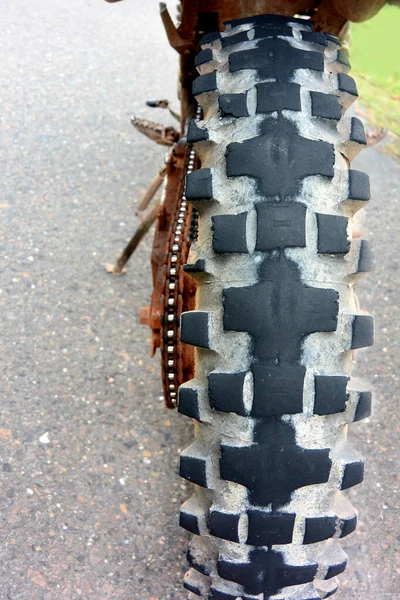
(89, 490)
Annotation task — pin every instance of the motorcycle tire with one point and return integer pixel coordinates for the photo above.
(276, 321)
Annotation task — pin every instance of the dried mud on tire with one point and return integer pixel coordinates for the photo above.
(277, 257)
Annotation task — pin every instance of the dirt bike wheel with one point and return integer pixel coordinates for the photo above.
(277, 257)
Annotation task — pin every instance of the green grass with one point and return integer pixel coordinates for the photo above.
(375, 59)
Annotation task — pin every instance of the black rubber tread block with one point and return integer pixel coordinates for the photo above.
(278, 390)
(236, 38)
(363, 332)
(195, 564)
(196, 133)
(203, 56)
(336, 569)
(219, 595)
(274, 465)
(194, 328)
(359, 188)
(229, 233)
(192, 588)
(364, 257)
(199, 185)
(260, 32)
(332, 234)
(333, 38)
(347, 84)
(353, 474)
(330, 394)
(188, 403)
(278, 96)
(343, 59)
(279, 159)
(327, 592)
(363, 409)
(268, 529)
(267, 20)
(347, 526)
(275, 58)
(263, 31)
(224, 525)
(325, 106)
(225, 392)
(197, 267)
(357, 131)
(280, 225)
(210, 37)
(279, 311)
(315, 37)
(196, 582)
(318, 529)
(205, 83)
(193, 469)
(266, 573)
(233, 105)
(189, 522)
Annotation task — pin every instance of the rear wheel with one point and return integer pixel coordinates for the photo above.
(276, 320)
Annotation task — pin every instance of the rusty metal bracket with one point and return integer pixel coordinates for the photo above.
(175, 39)
(147, 221)
(163, 104)
(152, 190)
(164, 136)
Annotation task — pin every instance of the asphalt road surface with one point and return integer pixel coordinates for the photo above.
(89, 492)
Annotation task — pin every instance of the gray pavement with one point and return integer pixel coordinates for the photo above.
(89, 493)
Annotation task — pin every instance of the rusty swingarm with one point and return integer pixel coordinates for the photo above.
(174, 290)
(176, 221)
